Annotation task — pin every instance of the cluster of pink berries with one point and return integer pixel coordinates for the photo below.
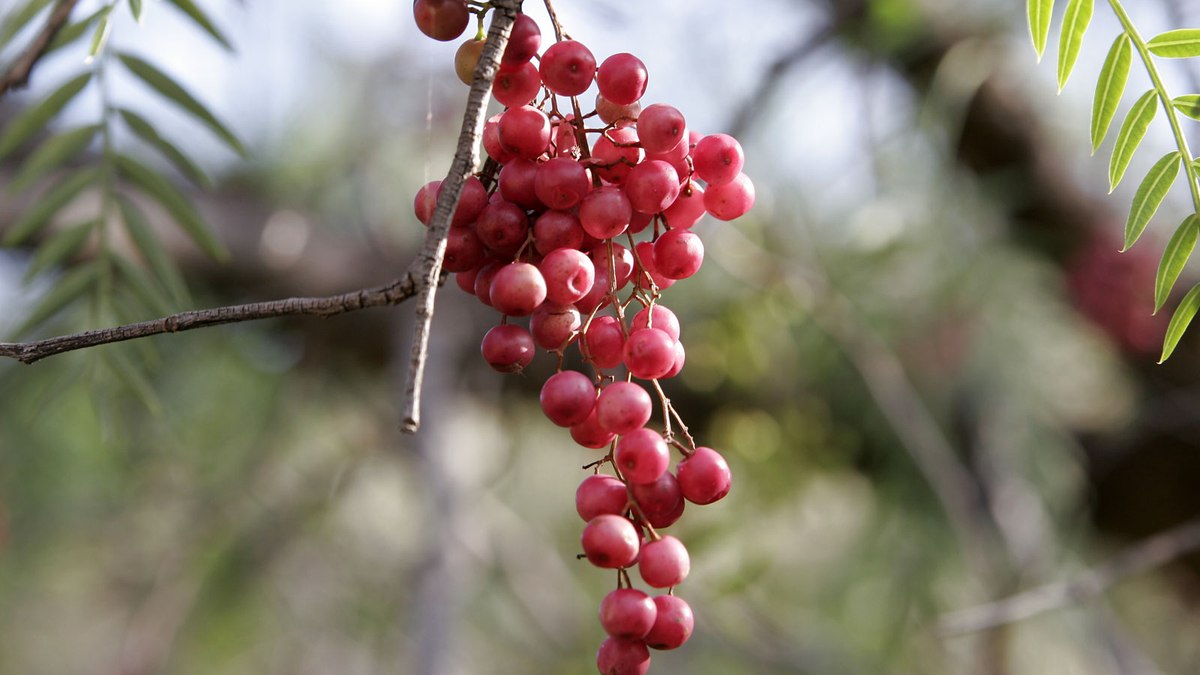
(551, 232)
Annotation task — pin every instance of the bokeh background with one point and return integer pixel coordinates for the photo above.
(932, 373)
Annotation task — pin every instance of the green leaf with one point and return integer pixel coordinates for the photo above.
(135, 8)
(18, 20)
(1149, 196)
(197, 15)
(146, 131)
(1188, 105)
(1131, 133)
(1175, 256)
(1110, 87)
(163, 84)
(1075, 23)
(99, 36)
(31, 120)
(1183, 316)
(171, 199)
(58, 247)
(51, 154)
(73, 31)
(38, 215)
(68, 288)
(1176, 44)
(146, 290)
(152, 250)
(130, 375)
(1039, 12)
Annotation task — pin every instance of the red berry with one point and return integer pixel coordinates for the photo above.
(599, 494)
(651, 186)
(516, 84)
(615, 113)
(642, 456)
(442, 20)
(610, 541)
(568, 397)
(508, 348)
(731, 200)
(603, 342)
(718, 159)
(516, 183)
(661, 128)
(590, 434)
(569, 275)
(704, 476)
(661, 502)
(649, 353)
(664, 563)
(556, 229)
(523, 41)
(553, 324)
(568, 68)
(622, 78)
(678, 254)
(627, 613)
(605, 212)
(525, 131)
(464, 251)
(561, 183)
(657, 316)
(614, 154)
(502, 227)
(623, 657)
(491, 141)
(517, 289)
(623, 407)
(673, 623)
(687, 209)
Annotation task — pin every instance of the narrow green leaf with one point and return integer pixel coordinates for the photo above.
(38, 215)
(1039, 12)
(1183, 316)
(16, 21)
(1131, 133)
(1176, 44)
(163, 84)
(135, 8)
(197, 15)
(99, 37)
(1149, 196)
(52, 153)
(58, 247)
(1175, 256)
(153, 252)
(33, 119)
(68, 288)
(142, 128)
(148, 292)
(73, 31)
(1188, 105)
(1075, 24)
(171, 199)
(1110, 87)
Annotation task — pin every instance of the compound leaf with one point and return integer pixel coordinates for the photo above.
(163, 84)
(160, 189)
(1110, 87)
(1188, 105)
(74, 283)
(19, 19)
(152, 250)
(1130, 136)
(1180, 321)
(73, 31)
(1176, 44)
(30, 121)
(1175, 256)
(1075, 24)
(59, 246)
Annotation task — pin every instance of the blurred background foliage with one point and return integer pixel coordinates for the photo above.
(930, 370)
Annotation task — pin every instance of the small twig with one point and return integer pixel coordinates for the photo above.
(558, 31)
(392, 294)
(18, 75)
(1148, 554)
(466, 156)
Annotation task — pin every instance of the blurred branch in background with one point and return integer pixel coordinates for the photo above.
(18, 73)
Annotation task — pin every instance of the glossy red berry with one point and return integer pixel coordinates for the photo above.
(610, 541)
(642, 456)
(568, 397)
(704, 476)
(599, 494)
(664, 563)
(673, 623)
(627, 613)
